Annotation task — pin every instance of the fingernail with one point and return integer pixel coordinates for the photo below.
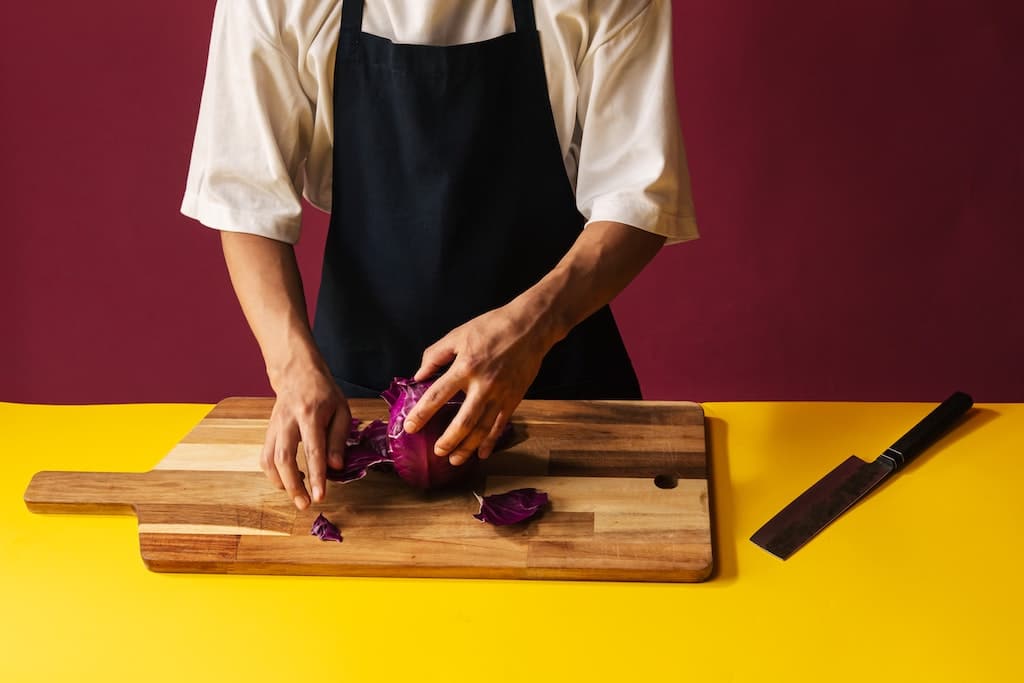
(410, 425)
(317, 493)
(301, 502)
(441, 450)
(456, 460)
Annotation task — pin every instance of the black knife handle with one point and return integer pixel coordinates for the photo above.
(928, 430)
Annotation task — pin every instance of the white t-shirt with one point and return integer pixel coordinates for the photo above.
(265, 132)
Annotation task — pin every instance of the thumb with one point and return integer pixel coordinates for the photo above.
(435, 358)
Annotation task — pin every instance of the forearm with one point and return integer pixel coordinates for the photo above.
(266, 279)
(605, 258)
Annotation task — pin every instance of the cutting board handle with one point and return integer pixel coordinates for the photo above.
(103, 493)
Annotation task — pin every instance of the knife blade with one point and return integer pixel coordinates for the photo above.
(837, 491)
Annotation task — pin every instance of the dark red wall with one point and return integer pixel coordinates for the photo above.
(857, 167)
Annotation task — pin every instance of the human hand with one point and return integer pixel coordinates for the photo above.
(494, 359)
(309, 407)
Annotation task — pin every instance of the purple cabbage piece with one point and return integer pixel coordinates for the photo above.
(413, 454)
(364, 449)
(325, 530)
(512, 507)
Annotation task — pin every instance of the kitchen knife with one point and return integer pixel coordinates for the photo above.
(819, 505)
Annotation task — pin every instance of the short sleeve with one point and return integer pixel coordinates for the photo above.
(632, 163)
(252, 136)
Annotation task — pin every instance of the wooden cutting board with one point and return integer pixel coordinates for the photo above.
(627, 483)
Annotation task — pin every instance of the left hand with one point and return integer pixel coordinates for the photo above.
(494, 360)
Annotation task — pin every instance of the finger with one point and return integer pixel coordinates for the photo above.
(439, 393)
(313, 431)
(288, 469)
(267, 456)
(465, 420)
(337, 435)
(487, 445)
(435, 358)
(464, 451)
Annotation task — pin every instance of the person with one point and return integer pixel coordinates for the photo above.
(496, 171)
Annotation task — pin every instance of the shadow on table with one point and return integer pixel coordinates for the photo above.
(720, 500)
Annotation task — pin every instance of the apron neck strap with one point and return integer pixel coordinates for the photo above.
(351, 20)
(523, 12)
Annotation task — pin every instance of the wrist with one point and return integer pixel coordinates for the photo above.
(541, 312)
(292, 358)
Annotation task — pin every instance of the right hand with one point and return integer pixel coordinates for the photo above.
(312, 409)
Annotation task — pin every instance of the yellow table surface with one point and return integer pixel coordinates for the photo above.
(921, 582)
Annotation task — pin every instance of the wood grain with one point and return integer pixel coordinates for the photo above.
(207, 507)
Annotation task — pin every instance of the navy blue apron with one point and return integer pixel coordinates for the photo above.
(450, 198)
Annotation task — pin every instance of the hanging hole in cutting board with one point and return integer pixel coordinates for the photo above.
(666, 481)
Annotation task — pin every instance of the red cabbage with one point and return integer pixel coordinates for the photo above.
(413, 454)
(325, 530)
(512, 507)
